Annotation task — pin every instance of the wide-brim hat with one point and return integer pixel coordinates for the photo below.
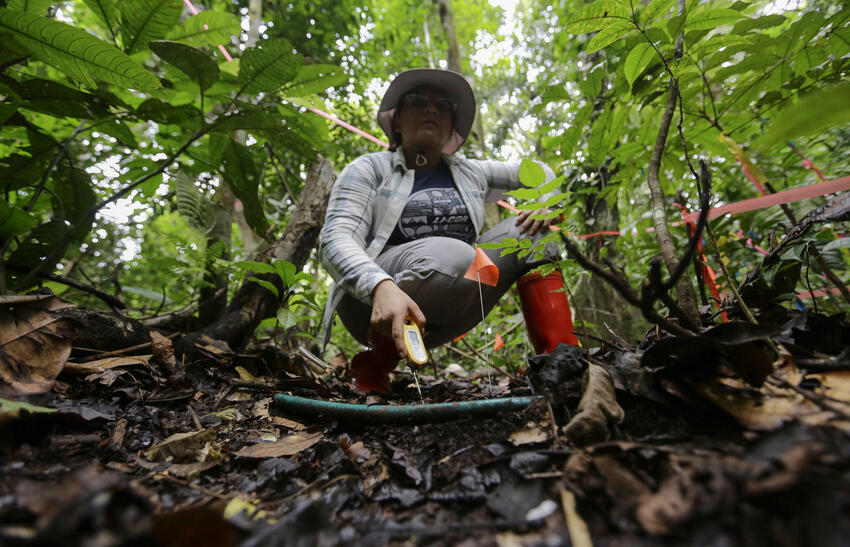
(451, 83)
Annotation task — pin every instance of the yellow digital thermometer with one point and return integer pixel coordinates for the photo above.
(413, 343)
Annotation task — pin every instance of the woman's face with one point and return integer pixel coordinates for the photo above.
(426, 119)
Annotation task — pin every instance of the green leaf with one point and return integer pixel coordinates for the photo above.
(105, 11)
(268, 66)
(841, 243)
(14, 220)
(637, 60)
(610, 34)
(51, 97)
(525, 193)
(286, 270)
(531, 174)
(255, 266)
(596, 144)
(656, 8)
(10, 410)
(265, 284)
(75, 52)
(192, 205)
(194, 63)
(312, 79)
(597, 16)
(815, 112)
(163, 112)
(244, 179)
(37, 7)
(758, 23)
(146, 20)
(711, 18)
(287, 318)
(119, 130)
(74, 198)
(208, 28)
(217, 145)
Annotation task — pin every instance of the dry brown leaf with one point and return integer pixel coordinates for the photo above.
(34, 343)
(182, 447)
(835, 384)
(286, 446)
(163, 352)
(94, 367)
(764, 410)
(191, 470)
(530, 434)
(289, 424)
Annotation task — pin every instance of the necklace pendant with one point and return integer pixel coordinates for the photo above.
(421, 160)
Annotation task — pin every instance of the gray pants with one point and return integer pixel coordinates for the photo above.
(431, 271)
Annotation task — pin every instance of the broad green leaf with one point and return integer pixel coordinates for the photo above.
(208, 28)
(815, 112)
(610, 34)
(244, 179)
(637, 60)
(118, 129)
(146, 20)
(14, 220)
(51, 97)
(255, 266)
(268, 66)
(841, 243)
(531, 174)
(192, 205)
(286, 270)
(597, 16)
(656, 8)
(106, 11)
(37, 7)
(312, 79)
(163, 112)
(74, 198)
(194, 63)
(11, 410)
(217, 145)
(758, 23)
(75, 52)
(596, 144)
(552, 185)
(287, 318)
(839, 42)
(711, 18)
(265, 284)
(525, 194)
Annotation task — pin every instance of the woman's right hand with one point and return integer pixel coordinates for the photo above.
(390, 307)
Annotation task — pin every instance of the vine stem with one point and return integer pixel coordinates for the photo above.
(684, 288)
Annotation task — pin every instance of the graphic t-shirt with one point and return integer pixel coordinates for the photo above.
(434, 208)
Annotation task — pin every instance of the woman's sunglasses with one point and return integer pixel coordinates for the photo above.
(420, 102)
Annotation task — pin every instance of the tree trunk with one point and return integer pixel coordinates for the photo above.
(252, 303)
(213, 293)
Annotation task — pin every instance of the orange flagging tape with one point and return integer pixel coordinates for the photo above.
(779, 198)
(482, 269)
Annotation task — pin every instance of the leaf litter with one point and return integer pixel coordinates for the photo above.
(683, 442)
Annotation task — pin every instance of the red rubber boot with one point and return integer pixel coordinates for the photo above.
(546, 310)
(370, 369)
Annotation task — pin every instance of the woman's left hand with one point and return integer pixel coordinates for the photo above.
(534, 225)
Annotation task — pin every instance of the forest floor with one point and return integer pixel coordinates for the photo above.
(203, 456)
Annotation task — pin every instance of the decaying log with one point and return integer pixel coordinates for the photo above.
(252, 303)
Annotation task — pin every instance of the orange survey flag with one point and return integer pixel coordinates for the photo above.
(499, 344)
(483, 269)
